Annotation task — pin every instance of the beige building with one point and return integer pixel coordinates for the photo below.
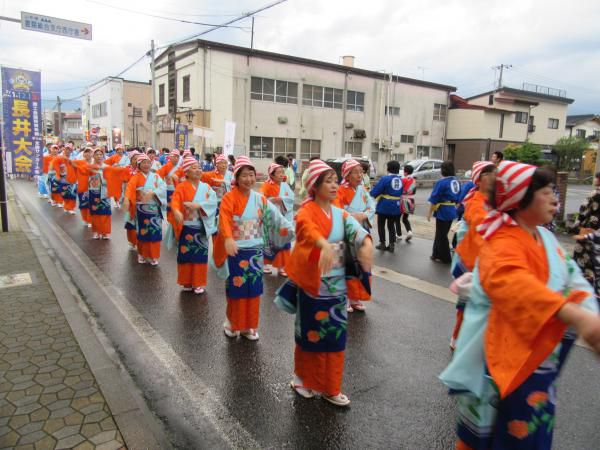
(283, 104)
(115, 105)
(488, 122)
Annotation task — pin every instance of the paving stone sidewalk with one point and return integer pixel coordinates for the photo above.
(48, 395)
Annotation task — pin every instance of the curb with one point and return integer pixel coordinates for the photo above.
(139, 428)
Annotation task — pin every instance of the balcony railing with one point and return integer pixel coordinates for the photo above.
(531, 128)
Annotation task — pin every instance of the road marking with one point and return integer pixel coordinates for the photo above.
(200, 397)
(432, 289)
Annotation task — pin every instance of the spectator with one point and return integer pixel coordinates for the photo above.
(208, 165)
(388, 192)
(231, 159)
(497, 158)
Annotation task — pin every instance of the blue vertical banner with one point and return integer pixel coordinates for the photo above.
(181, 136)
(22, 113)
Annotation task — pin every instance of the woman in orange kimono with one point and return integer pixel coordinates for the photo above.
(51, 178)
(316, 290)
(278, 192)
(67, 178)
(194, 206)
(83, 183)
(468, 238)
(246, 220)
(144, 198)
(527, 302)
(353, 197)
(220, 178)
(172, 174)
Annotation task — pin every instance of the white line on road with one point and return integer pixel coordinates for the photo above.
(201, 397)
(432, 289)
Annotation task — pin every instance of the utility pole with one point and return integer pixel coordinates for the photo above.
(501, 67)
(58, 105)
(152, 66)
(252, 35)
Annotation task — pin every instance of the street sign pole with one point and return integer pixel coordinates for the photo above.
(3, 208)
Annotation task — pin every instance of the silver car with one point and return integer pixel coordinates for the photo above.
(426, 170)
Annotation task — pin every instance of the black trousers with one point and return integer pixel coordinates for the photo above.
(406, 223)
(382, 219)
(441, 246)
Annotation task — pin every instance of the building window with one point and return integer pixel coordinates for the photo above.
(322, 96)
(186, 88)
(269, 90)
(310, 148)
(596, 134)
(521, 117)
(354, 148)
(161, 95)
(99, 110)
(355, 101)
(284, 146)
(407, 139)
(375, 154)
(261, 147)
(398, 157)
(553, 124)
(439, 112)
(435, 153)
(580, 133)
(422, 151)
(392, 111)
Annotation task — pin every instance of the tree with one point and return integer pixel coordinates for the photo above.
(527, 153)
(569, 151)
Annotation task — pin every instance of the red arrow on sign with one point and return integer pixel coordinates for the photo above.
(85, 31)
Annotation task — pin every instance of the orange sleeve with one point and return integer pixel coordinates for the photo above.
(522, 326)
(164, 170)
(177, 200)
(306, 229)
(226, 214)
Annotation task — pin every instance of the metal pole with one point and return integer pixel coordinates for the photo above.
(344, 106)
(58, 104)
(152, 66)
(3, 208)
(252, 35)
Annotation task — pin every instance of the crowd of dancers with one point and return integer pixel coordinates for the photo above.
(521, 299)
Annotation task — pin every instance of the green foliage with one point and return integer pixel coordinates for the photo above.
(527, 152)
(569, 152)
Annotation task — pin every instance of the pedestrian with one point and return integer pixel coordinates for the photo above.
(154, 162)
(469, 241)
(145, 196)
(194, 206)
(316, 290)
(366, 179)
(352, 197)
(277, 191)
(83, 183)
(290, 173)
(388, 193)
(207, 164)
(497, 158)
(164, 156)
(245, 221)
(443, 200)
(231, 164)
(520, 323)
(220, 178)
(292, 162)
(172, 174)
(66, 177)
(407, 204)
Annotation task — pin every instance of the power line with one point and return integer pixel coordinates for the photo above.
(156, 16)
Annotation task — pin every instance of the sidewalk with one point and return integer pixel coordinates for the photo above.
(49, 398)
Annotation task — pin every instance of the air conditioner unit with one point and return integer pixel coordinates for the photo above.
(360, 134)
(397, 144)
(411, 150)
(349, 125)
(282, 120)
(386, 143)
(425, 132)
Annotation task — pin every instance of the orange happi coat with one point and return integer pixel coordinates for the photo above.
(470, 245)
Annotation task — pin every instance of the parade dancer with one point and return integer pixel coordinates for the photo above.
(194, 206)
(145, 196)
(246, 221)
(443, 199)
(100, 207)
(353, 197)
(316, 290)
(527, 301)
(119, 159)
(220, 178)
(468, 238)
(278, 192)
(407, 203)
(66, 177)
(172, 174)
(52, 180)
(388, 192)
(83, 183)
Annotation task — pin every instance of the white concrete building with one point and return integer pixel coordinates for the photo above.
(117, 104)
(488, 122)
(284, 104)
(586, 126)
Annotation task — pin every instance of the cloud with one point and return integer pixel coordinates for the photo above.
(454, 42)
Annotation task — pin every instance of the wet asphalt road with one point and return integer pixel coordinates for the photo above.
(395, 352)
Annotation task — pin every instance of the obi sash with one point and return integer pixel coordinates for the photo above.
(467, 370)
(362, 202)
(84, 200)
(99, 201)
(193, 244)
(224, 187)
(149, 215)
(69, 191)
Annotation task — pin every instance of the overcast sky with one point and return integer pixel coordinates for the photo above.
(551, 43)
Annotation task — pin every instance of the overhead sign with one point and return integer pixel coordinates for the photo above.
(54, 25)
